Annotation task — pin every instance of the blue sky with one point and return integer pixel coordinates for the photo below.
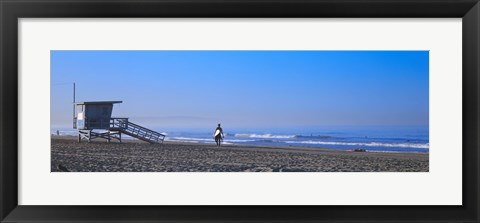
(246, 89)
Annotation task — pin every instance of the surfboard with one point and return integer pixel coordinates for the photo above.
(217, 132)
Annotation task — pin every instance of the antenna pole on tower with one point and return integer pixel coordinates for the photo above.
(74, 105)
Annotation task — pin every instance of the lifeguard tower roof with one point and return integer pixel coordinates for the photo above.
(97, 102)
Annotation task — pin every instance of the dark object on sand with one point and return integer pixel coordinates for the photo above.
(359, 150)
(62, 168)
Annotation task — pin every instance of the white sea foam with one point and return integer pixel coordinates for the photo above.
(371, 144)
(264, 136)
(187, 139)
(384, 151)
(238, 140)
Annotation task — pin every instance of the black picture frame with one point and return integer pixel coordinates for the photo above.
(12, 10)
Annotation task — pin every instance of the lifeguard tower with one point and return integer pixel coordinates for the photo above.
(97, 115)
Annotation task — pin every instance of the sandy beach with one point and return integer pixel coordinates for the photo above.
(135, 156)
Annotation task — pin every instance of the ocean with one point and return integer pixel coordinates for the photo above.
(371, 139)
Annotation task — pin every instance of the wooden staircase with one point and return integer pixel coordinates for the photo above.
(136, 131)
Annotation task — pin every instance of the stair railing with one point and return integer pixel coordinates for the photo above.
(135, 130)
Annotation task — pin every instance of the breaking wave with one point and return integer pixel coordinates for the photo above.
(264, 136)
(370, 144)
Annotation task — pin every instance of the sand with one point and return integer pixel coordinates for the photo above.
(135, 156)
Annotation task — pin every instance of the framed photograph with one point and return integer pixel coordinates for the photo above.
(227, 111)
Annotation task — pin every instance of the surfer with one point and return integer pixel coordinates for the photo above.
(218, 135)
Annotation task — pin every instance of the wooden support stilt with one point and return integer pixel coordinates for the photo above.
(89, 135)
